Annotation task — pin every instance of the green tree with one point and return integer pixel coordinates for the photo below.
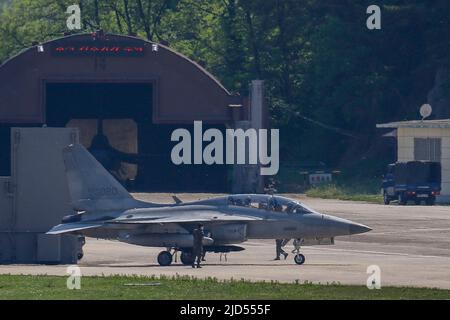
(329, 79)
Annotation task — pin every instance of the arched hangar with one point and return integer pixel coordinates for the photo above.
(126, 95)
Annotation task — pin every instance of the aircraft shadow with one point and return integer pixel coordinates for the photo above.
(212, 265)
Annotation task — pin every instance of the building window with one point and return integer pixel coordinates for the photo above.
(427, 149)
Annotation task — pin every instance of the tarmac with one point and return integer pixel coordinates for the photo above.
(410, 245)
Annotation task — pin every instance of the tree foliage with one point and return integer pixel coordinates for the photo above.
(329, 79)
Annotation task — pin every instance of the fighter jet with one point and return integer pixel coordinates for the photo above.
(104, 209)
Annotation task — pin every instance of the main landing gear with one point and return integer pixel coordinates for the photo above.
(298, 258)
(187, 258)
(165, 258)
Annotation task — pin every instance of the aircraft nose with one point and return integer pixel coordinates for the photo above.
(355, 228)
(343, 227)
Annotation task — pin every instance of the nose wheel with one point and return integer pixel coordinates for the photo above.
(165, 258)
(298, 258)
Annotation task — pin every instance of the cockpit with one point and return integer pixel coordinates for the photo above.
(270, 203)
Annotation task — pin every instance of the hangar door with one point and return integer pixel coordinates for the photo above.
(115, 124)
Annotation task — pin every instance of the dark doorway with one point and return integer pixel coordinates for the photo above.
(5, 145)
(65, 101)
(5, 150)
(162, 175)
(99, 102)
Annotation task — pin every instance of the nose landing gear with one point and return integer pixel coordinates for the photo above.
(298, 258)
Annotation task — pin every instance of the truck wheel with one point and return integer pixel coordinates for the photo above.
(386, 198)
(402, 200)
(431, 201)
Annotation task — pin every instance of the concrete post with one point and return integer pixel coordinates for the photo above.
(247, 178)
(257, 112)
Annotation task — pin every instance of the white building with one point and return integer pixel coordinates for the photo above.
(427, 140)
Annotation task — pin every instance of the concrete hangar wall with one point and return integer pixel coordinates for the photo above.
(130, 90)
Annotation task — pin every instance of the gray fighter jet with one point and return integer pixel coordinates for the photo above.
(106, 210)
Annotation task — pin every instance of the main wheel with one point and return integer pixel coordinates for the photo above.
(299, 259)
(187, 258)
(164, 258)
(80, 255)
(386, 198)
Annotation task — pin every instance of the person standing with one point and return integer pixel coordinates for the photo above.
(197, 249)
(279, 243)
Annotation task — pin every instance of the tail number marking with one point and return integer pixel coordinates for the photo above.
(103, 191)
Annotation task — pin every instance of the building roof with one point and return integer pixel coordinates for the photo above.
(182, 90)
(439, 123)
(120, 36)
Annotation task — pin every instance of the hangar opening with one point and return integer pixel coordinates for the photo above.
(115, 123)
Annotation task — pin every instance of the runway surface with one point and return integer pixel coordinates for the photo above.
(410, 244)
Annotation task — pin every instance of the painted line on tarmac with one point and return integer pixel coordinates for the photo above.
(381, 253)
(410, 230)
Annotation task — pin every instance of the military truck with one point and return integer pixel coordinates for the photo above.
(414, 181)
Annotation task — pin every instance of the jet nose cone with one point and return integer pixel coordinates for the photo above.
(355, 228)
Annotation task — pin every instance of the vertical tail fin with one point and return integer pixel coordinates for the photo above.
(91, 186)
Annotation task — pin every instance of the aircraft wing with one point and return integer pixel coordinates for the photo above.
(70, 227)
(203, 216)
(198, 217)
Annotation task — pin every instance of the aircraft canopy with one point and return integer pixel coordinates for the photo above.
(269, 202)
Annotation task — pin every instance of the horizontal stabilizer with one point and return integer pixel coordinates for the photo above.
(72, 227)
